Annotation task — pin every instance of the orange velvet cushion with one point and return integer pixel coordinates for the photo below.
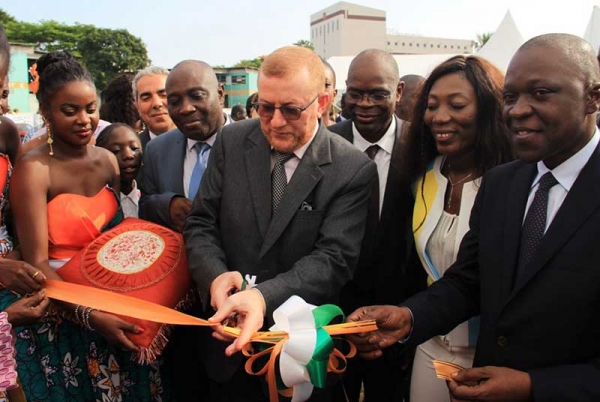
(139, 259)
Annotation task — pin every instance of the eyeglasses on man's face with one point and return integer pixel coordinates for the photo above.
(376, 98)
(288, 112)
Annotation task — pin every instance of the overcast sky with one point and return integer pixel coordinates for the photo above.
(226, 32)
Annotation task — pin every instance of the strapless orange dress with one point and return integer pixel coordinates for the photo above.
(76, 220)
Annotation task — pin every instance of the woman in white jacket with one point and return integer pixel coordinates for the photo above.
(457, 134)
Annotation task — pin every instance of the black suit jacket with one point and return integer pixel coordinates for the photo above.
(309, 252)
(548, 323)
(144, 138)
(382, 275)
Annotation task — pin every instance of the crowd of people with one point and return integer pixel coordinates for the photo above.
(457, 210)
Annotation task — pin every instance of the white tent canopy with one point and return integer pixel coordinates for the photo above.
(592, 33)
(503, 44)
(522, 22)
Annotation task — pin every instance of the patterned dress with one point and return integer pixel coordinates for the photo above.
(59, 361)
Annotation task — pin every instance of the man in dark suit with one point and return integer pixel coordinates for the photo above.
(282, 205)
(174, 161)
(529, 264)
(381, 276)
(151, 101)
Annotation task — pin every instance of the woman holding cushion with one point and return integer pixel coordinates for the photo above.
(64, 212)
(456, 135)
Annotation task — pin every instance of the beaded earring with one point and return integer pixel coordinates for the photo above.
(50, 140)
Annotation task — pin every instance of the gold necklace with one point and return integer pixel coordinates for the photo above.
(454, 184)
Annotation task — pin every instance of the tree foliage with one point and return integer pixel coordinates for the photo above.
(483, 38)
(256, 63)
(305, 43)
(105, 52)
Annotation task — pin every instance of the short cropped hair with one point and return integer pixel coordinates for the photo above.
(287, 62)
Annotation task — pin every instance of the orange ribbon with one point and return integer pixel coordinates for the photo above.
(116, 303)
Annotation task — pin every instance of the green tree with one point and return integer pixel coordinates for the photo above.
(256, 63)
(483, 38)
(105, 52)
(304, 43)
(5, 18)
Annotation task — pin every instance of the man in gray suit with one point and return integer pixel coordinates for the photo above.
(174, 161)
(282, 206)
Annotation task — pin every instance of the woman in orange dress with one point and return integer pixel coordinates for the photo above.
(71, 192)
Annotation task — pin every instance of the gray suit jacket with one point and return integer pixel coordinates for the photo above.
(311, 244)
(162, 177)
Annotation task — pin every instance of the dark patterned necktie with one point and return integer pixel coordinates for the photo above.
(374, 202)
(278, 179)
(535, 222)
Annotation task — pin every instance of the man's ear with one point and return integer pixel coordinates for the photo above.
(221, 92)
(399, 90)
(323, 102)
(593, 98)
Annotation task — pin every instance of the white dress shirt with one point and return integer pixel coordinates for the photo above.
(191, 156)
(566, 173)
(130, 202)
(291, 165)
(382, 157)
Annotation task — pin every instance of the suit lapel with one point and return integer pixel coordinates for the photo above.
(517, 200)
(258, 171)
(305, 178)
(581, 201)
(178, 152)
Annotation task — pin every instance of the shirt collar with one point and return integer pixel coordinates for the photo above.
(210, 141)
(299, 153)
(566, 173)
(386, 142)
(134, 195)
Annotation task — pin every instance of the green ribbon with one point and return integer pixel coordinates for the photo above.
(317, 367)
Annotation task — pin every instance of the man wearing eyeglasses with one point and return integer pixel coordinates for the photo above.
(280, 212)
(381, 276)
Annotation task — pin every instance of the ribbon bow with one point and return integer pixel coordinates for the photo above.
(306, 354)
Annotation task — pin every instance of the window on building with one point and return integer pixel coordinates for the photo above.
(431, 45)
(388, 43)
(465, 48)
(403, 44)
(222, 78)
(451, 46)
(338, 25)
(424, 44)
(445, 46)
(327, 28)
(396, 43)
(410, 44)
(439, 46)
(238, 79)
(417, 45)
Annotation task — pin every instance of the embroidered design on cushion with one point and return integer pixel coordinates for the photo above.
(131, 252)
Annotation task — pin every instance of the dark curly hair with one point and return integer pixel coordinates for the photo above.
(117, 101)
(493, 144)
(57, 69)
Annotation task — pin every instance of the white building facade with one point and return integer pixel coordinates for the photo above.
(346, 29)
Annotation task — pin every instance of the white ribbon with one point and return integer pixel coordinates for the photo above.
(295, 317)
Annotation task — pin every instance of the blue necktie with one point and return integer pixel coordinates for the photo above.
(201, 149)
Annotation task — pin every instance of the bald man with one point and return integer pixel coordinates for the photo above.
(381, 276)
(406, 104)
(280, 212)
(174, 164)
(528, 266)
